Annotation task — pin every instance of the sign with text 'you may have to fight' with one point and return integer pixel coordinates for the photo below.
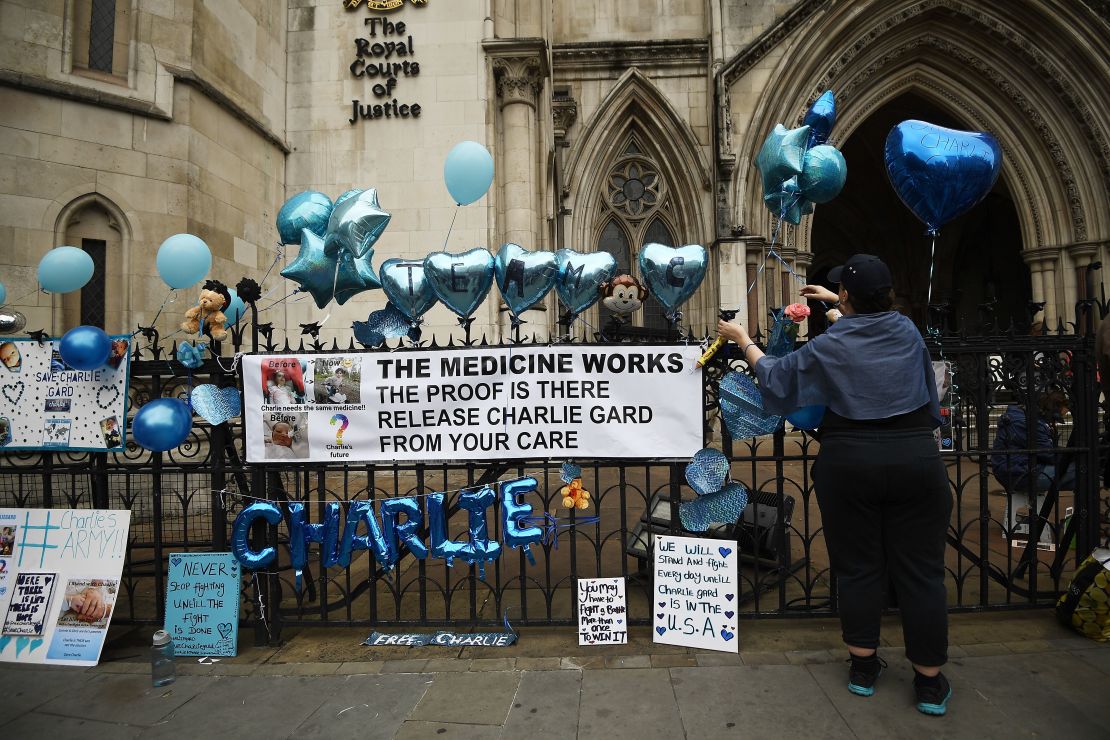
(495, 403)
(695, 593)
(602, 613)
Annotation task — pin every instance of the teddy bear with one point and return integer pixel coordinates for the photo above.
(574, 495)
(209, 309)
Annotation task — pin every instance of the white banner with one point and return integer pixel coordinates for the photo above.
(59, 582)
(494, 403)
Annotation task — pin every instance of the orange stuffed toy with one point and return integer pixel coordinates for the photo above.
(209, 309)
(575, 496)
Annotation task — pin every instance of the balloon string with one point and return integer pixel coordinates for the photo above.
(450, 228)
(277, 257)
(932, 265)
(170, 298)
(17, 301)
(283, 300)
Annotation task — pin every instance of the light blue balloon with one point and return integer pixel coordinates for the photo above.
(183, 260)
(235, 309)
(3, 294)
(308, 210)
(579, 277)
(523, 277)
(162, 424)
(673, 273)
(65, 269)
(85, 348)
(347, 195)
(407, 287)
(468, 172)
(460, 281)
(823, 174)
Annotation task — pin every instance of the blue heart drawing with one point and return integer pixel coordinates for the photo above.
(175, 561)
(620, 621)
(660, 630)
(742, 407)
(707, 471)
(729, 614)
(660, 615)
(13, 387)
(662, 603)
(727, 635)
(225, 628)
(729, 596)
(725, 551)
(216, 405)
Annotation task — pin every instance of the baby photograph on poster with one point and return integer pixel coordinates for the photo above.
(5, 431)
(7, 540)
(119, 353)
(10, 357)
(283, 382)
(109, 429)
(88, 602)
(337, 380)
(286, 435)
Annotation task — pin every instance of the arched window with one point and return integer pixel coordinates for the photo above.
(90, 224)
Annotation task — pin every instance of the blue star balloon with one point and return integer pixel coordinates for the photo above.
(782, 156)
(355, 276)
(355, 224)
(821, 117)
(312, 270)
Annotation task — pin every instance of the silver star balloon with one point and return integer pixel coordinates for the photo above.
(355, 224)
(781, 157)
(312, 270)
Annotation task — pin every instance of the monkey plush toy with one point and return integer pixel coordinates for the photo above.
(623, 295)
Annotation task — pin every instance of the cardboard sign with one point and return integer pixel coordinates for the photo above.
(47, 405)
(442, 639)
(602, 614)
(497, 403)
(202, 603)
(60, 575)
(695, 591)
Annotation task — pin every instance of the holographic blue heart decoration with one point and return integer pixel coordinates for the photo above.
(570, 471)
(673, 273)
(407, 286)
(707, 471)
(387, 323)
(191, 355)
(523, 277)
(356, 224)
(460, 281)
(214, 404)
(742, 408)
(579, 276)
(308, 210)
(720, 507)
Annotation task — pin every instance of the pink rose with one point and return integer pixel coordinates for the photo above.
(796, 312)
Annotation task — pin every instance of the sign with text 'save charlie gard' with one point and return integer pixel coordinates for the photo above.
(494, 403)
(202, 603)
(59, 579)
(47, 405)
(695, 591)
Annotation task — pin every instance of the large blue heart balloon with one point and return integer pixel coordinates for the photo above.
(742, 408)
(940, 173)
(523, 277)
(708, 471)
(673, 274)
(308, 210)
(355, 224)
(407, 286)
(578, 277)
(460, 281)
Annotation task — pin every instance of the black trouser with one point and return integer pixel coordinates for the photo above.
(885, 504)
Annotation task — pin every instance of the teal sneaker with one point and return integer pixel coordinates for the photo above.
(863, 673)
(932, 696)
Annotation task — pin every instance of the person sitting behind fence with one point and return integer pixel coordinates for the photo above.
(1011, 468)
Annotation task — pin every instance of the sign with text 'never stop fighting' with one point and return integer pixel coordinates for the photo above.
(475, 404)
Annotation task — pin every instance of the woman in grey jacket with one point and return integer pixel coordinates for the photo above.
(882, 488)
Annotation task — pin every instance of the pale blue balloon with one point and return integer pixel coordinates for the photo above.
(673, 273)
(308, 210)
(523, 277)
(579, 277)
(3, 294)
(460, 281)
(183, 260)
(235, 309)
(407, 287)
(65, 269)
(347, 195)
(468, 172)
(823, 174)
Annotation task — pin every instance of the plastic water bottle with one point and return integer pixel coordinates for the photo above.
(162, 668)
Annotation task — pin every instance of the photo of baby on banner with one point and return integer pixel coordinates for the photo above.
(286, 436)
(283, 382)
(337, 380)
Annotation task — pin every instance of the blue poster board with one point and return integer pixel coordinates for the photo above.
(202, 603)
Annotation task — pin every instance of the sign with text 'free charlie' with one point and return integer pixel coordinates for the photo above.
(475, 404)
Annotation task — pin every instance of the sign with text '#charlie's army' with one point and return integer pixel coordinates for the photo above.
(475, 404)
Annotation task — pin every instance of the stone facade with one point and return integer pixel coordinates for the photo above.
(611, 124)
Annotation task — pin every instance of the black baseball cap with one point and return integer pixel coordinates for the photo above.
(863, 275)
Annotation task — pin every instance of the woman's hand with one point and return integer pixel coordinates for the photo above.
(819, 293)
(733, 332)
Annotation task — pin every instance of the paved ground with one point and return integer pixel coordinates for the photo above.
(1014, 676)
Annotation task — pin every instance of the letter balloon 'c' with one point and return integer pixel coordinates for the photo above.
(240, 535)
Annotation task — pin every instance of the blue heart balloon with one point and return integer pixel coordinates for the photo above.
(214, 404)
(940, 173)
(707, 471)
(807, 417)
(742, 408)
(578, 277)
(673, 273)
(408, 288)
(523, 277)
(460, 281)
(308, 210)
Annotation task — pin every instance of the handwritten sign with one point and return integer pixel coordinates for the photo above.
(602, 613)
(695, 593)
(30, 604)
(202, 603)
(442, 639)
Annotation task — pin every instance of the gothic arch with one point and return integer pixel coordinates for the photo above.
(978, 63)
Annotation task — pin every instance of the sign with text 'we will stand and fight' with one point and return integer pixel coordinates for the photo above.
(695, 593)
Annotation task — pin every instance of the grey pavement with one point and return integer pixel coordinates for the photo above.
(1043, 688)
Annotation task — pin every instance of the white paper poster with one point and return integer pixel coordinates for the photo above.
(47, 405)
(60, 573)
(602, 613)
(497, 403)
(695, 593)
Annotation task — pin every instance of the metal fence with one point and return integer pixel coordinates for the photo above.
(999, 556)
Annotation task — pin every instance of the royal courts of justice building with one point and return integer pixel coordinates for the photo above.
(612, 123)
